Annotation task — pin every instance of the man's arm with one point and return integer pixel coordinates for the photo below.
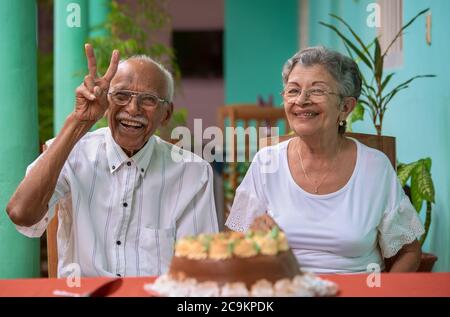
(30, 201)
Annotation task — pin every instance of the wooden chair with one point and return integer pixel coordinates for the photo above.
(52, 244)
(385, 144)
(249, 115)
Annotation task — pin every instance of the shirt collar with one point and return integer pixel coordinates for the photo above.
(117, 157)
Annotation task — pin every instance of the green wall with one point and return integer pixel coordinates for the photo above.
(70, 60)
(260, 35)
(19, 256)
(418, 117)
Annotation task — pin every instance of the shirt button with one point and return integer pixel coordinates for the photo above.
(118, 275)
(142, 170)
(129, 163)
(118, 242)
(113, 167)
(125, 204)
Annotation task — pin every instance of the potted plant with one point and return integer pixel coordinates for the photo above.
(375, 98)
(373, 95)
(420, 190)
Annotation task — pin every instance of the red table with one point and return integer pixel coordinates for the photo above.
(392, 284)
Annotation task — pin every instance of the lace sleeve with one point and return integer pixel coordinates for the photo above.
(399, 227)
(246, 207)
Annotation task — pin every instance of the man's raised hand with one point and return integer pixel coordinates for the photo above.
(91, 96)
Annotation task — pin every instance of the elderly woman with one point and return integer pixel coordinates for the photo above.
(338, 201)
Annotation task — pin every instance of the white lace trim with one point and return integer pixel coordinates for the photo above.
(246, 207)
(399, 227)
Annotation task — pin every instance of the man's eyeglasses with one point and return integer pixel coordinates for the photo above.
(313, 93)
(144, 99)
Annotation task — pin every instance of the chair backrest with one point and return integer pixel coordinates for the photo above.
(248, 114)
(385, 144)
(52, 242)
(251, 116)
(52, 245)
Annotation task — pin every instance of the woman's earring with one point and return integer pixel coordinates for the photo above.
(342, 126)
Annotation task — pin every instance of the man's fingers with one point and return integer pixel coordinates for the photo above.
(92, 62)
(97, 91)
(84, 92)
(113, 64)
(89, 82)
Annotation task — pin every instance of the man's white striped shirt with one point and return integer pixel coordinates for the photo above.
(121, 216)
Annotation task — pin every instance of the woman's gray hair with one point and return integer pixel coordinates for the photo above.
(164, 71)
(342, 68)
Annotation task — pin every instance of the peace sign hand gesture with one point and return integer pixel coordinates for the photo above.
(91, 96)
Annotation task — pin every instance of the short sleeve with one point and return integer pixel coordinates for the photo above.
(398, 227)
(61, 189)
(249, 201)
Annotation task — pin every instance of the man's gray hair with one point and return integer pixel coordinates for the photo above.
(164, 71)
(342, 68)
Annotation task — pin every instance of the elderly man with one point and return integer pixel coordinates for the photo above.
(125, 198)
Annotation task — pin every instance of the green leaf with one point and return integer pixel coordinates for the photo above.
(357, 38)
(367, 105)
(424, 182)
(373, 103)
(350, 44)
(371, 89)
(357, 114)
(386, 99)
(378, 73)
(427, 162)
(386, 80)
(404, 172)
(416, 197)
(403, 28)
(422, 187)
(349, 51)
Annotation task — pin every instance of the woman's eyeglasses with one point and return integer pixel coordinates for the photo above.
(312, 94)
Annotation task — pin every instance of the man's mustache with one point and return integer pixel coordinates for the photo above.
(140, 119)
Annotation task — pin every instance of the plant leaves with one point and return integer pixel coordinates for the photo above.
(427, 162)
(358, 113)
(404, 172)
(378, 71)
(403, 28)
(385, 100)
(357, 38)
(422, 187)
(349, 51)
(386, 81)
(424, 181)
(350, 44)
(416, 197)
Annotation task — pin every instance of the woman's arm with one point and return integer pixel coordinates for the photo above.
(408, 258)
